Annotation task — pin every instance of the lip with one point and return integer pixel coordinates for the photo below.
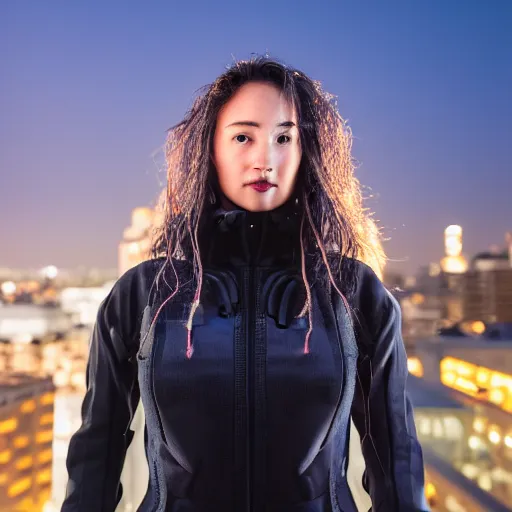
(261, 186)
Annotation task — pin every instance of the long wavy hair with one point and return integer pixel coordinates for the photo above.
(336, 229)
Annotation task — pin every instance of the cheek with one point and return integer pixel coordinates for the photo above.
(290, 164)
(224, 166)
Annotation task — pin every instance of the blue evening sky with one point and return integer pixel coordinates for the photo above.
(88, 88)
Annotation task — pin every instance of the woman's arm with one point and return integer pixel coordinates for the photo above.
(97, 450)
(382, 412)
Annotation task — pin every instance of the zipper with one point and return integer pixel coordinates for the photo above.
(250, 325)
(157, 486)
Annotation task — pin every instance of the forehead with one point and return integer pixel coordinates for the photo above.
(260, 102)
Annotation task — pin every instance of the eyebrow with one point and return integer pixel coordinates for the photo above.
(287, 124)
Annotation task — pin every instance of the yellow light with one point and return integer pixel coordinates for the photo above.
(44, 437)
(46, 399)
(19, 486)
(496, 396)
(447, 364)
(414, 366)
(478, 327)
(45, 456)
(466, 385)
(494, 436)
(482, 376)
(417, 299)
(465, 369)
(474, 442)
(25, 504)
(44, 477)
(508, 441)
(501, 380)
(3, 478)
(430, 490)
(46, 419)
(5, 456)
(28, 406)
(24, 462)
(485, 482)
(480, 382)
(479, 425)
(21, 442)
(8, 426)
(448, 378)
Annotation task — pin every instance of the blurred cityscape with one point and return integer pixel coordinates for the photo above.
(457, 327)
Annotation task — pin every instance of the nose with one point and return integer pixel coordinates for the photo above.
(263, 158)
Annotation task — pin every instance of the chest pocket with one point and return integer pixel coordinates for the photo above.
(219, 288)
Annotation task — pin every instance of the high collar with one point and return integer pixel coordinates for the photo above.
(239, 237)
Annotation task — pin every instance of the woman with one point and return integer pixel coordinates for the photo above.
(256, 331)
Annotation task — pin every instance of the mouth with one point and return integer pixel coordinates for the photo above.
(261, 185)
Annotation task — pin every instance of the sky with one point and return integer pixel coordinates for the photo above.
(88, 89)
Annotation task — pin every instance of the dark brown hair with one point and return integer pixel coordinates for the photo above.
(336, 228)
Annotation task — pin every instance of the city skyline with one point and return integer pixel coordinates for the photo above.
(90, 91)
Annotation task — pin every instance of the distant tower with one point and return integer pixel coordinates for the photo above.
(508, 238)
(136, 244)
(453, 262)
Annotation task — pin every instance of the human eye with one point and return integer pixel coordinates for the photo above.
(283, 139)
(241, 138)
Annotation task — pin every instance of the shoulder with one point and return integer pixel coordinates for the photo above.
(122, 309)
(372, 304)
(139, 279)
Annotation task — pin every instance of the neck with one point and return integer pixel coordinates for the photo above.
(234, 236)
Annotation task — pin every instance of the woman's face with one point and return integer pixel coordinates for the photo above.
(256, 148)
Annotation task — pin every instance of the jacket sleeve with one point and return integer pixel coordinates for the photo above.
(97, 450)
(383, 415)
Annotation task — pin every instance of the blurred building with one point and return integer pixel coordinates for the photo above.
(487, 288)
(421, 315)
(26, 436)
(453, 262)
(476, 371)
(83, 303)
(26, 323)
(135, 246)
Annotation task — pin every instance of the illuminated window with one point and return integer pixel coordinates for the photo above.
(24, 462)
(415, 367)
(44, 477)
(494, 435)
(453, 427)
(47, 399)
(44, 437)
(28, 406)
(46, 419)
(476, 443)
(45, 456)
(19, 487)
(430, 491)
(21, 442)
(437, 428)
(479, 425)
(8, 426)
(479, 382)
(5, 456)
(424, 426)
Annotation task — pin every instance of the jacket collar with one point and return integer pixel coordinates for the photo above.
(240, 237)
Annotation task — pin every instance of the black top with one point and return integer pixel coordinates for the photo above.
(251, 421)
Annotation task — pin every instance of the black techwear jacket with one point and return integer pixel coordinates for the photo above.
(249, 422)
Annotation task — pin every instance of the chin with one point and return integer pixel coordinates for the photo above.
(256, 205)
(261, 206)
